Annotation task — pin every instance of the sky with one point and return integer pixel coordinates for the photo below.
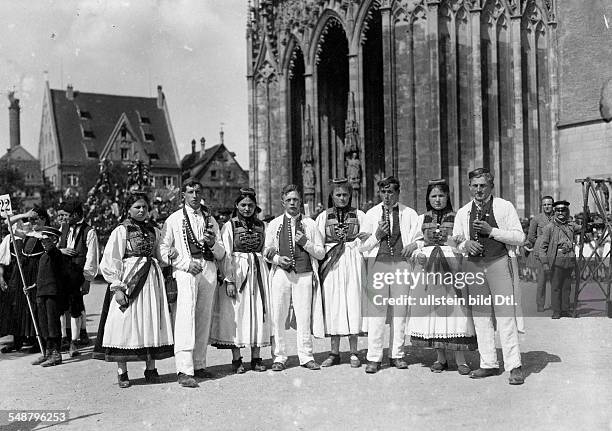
(195, 49)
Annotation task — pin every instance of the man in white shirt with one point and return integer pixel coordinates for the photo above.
(191, 243)
(395, 231)
(293, 245)
(79, 245)
(491, 230)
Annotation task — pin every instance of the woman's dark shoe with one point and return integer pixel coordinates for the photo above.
(257, 365)
(438, 367)
(151, 376)
(123, 380)
(464, 369)
(237, 366)
(332, 359)
(355, 362)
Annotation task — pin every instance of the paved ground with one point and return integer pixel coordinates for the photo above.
(568, 386)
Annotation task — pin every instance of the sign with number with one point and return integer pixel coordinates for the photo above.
(5, 205)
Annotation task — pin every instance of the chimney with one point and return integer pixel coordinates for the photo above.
(14, 127)
(69, 92)
(202, 146)
(221, 133)
(160, 97)
(193, 144)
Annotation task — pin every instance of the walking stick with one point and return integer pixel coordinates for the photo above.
(25, 292)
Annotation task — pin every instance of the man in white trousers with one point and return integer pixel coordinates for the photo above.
(191, 243)
(293, 245)
(395, 231)
(491, 230)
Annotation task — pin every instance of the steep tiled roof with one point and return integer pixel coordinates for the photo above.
(18, 153)
(194, 163)
(96, 115)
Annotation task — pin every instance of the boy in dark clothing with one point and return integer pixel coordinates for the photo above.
(50, 297)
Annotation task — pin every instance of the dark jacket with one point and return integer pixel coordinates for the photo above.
(554, 236)
(50, 280)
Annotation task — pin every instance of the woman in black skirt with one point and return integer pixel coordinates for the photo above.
(30, 249)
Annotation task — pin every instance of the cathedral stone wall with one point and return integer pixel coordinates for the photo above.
(420, 89)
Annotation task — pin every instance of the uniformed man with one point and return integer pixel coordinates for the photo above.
(558, 257)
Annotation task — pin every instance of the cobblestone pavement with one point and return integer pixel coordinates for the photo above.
(568, 386)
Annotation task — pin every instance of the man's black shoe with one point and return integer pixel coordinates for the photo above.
(278, 366)
(398, 363)
(187, 381)
(516, 376)
(372, 367)
(311, 365)
(556, 315)
(483, 372)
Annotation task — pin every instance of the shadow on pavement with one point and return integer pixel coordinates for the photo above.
(536, 360)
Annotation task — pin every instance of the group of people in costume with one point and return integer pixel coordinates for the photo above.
(246, 284)
(45, 273)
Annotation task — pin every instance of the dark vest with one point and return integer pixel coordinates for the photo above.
(391, 247)
(49, 279)
(248, 239)
(341, 225)
(299, 256)
(437, 227)
(196, 251)
(493, 249)
(141, 238)
(80, 244)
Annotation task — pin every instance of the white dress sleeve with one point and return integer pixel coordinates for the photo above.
(227, 237)
(5, 251)
(111, 265)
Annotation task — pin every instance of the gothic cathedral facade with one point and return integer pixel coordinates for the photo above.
(419, 89)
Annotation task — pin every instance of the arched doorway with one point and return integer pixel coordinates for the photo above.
(373, 105)
(332, 77)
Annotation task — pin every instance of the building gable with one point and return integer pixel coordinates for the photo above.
(124, 144)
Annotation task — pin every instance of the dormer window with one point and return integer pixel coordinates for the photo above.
(84, 114)
(149, 137)
(154, 156)
(144, 119)
(87, 130)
